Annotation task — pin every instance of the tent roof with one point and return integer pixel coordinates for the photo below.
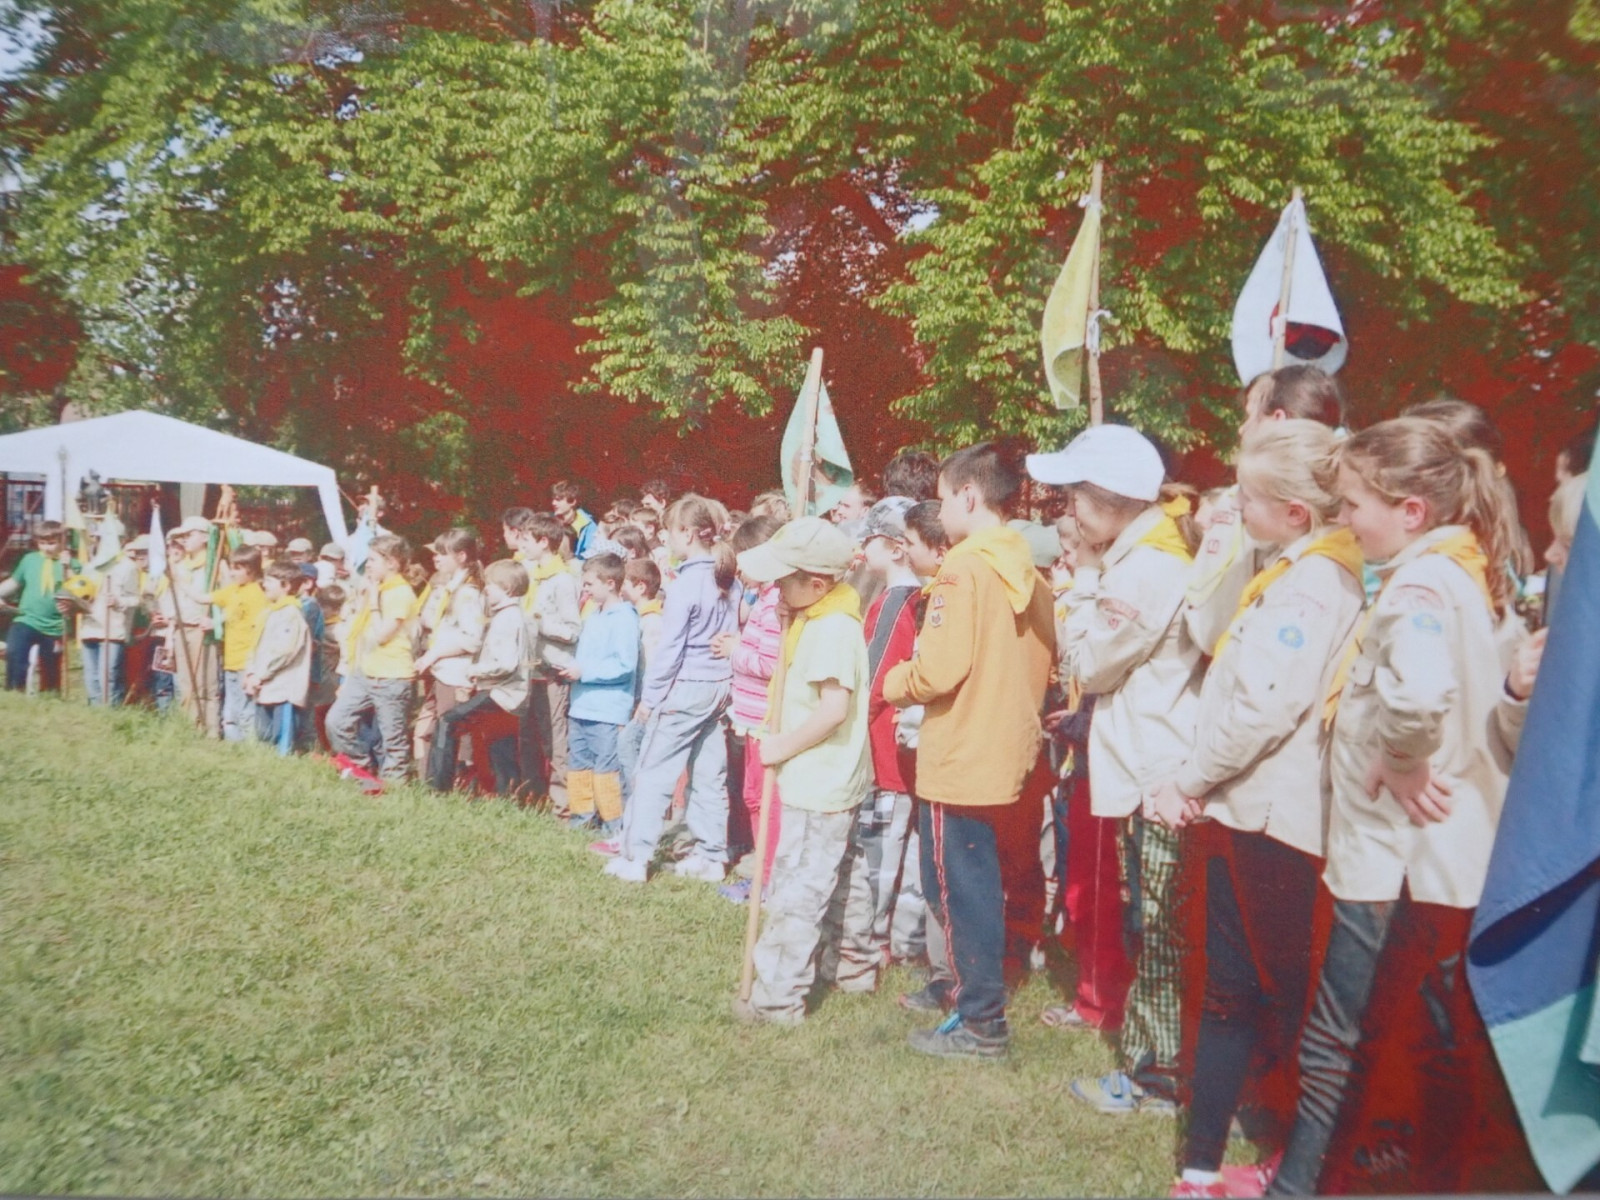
(150, 446)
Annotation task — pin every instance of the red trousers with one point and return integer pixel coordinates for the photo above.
(485, 727)
(1093, 899)
(1018, 828)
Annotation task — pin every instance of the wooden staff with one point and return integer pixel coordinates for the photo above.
(1280, 336)
(1097, 410)
(183, 643)
(769, 775)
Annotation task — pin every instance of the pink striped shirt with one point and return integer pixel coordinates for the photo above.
(755, 659)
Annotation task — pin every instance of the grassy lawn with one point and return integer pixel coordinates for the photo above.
(221, 973)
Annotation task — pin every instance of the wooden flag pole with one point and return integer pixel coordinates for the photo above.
(1097, 408)
(811, 396)
(1280, 335)
(183, 644)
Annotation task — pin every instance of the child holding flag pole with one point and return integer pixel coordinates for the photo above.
(810, 400)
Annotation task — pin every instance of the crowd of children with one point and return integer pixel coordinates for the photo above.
(1295, 699)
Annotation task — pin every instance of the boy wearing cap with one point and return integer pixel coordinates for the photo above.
(330, 564)
(39, 621)
(186, 609)
(980, 669)
(1125, 642)
(878, 841)
(819, 751)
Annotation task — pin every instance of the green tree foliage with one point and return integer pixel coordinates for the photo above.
(294, 217)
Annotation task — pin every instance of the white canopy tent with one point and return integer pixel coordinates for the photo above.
(146, 446)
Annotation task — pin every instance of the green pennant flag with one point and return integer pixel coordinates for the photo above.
(831, 475)
(1063, 333)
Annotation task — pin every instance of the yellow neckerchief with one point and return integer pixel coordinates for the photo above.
(580, 521)
(363, 617)
(548, 569)
(1338, 544)
(282, 603)
(842, 599)
(649, 608)
(1461, 548)
(420, 602)
(442, 596)
(587, 609)
(1007, 552)
(47, 575)
(1165, 535)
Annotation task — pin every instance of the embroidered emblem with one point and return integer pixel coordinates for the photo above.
(936, 620)
(1427, 623)
(1292, 637)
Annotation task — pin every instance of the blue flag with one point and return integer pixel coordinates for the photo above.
(1532, 959)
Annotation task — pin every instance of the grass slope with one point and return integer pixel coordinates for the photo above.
(221, 973)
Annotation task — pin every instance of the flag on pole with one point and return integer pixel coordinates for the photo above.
(1067, 327)
(1315, 334)
(1531, 964)
(158, 544)
(831, 475)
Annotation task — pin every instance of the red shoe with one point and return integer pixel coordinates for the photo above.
(609, 848)
(1245, 1183)
(1217, 1189)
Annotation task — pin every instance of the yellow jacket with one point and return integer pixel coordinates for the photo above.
(980, 670)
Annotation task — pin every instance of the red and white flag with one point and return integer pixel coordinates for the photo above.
(1315, 334)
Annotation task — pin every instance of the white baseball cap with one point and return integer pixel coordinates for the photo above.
(1114, 457)
(804, 544)
(300, 545)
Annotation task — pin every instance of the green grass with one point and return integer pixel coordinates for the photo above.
(221, 973)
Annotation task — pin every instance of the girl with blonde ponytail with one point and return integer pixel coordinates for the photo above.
(686, 690)
(1418, 758)
(1255, 769)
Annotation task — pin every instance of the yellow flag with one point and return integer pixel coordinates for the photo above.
(1063, 333)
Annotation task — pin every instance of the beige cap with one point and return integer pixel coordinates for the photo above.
(194, 525)
(142, 542)
(334, 551)
(806, 544)
(300, 545)
(263, 538)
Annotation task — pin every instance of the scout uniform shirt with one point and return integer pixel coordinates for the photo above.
(1126, 642)
(1259, 747)
(1425, 683)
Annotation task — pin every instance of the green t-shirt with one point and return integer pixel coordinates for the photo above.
(40, 578)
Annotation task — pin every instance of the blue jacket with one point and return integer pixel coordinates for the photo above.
(607, 659)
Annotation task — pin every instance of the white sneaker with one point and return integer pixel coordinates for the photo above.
(697, 866)
(627, 869)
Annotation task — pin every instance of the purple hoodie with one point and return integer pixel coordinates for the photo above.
(693, 612)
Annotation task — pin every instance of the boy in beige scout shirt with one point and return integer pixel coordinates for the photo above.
(278, 675)
(820, 753)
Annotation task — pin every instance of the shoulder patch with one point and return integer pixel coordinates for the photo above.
(937, 602)
(1292, 636)
(945, 579)
(1416, 597)
(1224, 514)
(1116, 610)
(1427, 623)
(936, 619)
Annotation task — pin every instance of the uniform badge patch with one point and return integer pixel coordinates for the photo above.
(1292, 636)
(1427, 623)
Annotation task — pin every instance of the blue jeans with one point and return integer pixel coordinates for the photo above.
(19, 641)
(685, 731)
(277, 723)
(961, 879)
(110, 654)
(592, 746)
(238, 710)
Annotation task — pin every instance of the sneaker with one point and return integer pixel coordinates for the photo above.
(1183, 1189)
(628, 869)
(580, 821)
(748, 1014)
(606, 847)
(1116, 1094)
(954, 1039)
(932, 997)
(738, 891)
(1245, 1183)
(697, 866)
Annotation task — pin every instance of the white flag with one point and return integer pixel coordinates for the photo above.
(158, 544)
(1315, 334)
